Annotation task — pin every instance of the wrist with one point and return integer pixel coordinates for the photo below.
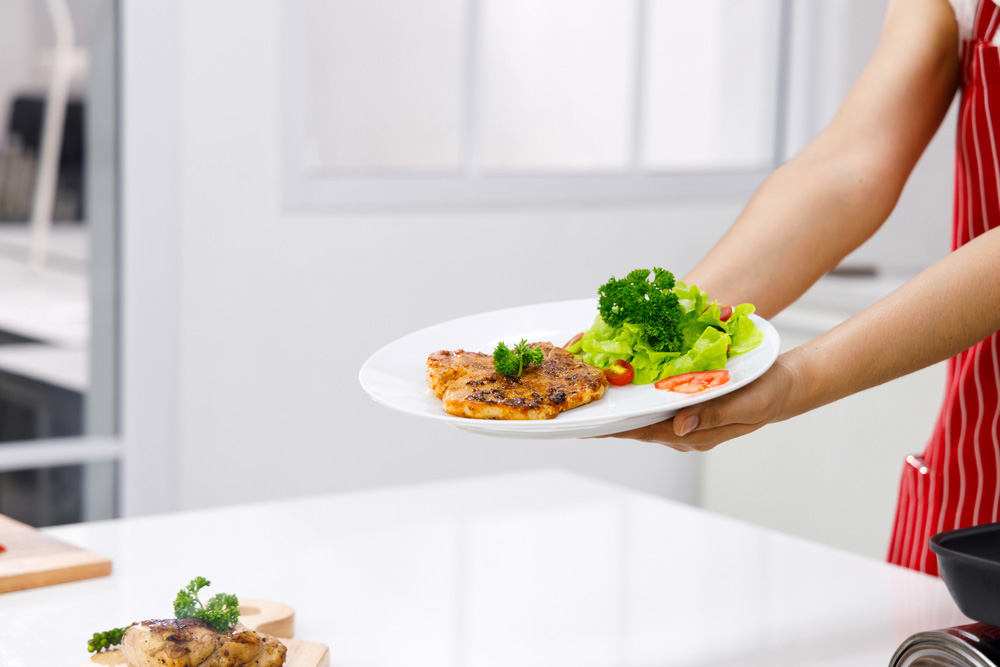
(799, 390)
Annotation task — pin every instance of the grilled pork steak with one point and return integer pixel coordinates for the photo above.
(192, 643)
(469, 386)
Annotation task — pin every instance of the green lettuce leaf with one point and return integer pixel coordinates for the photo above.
(744, 333)
(707, 354)
(707, 341)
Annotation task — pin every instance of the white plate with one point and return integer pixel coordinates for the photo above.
(395, 376)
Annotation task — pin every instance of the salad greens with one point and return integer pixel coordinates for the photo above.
(664, 327)
(652, 306)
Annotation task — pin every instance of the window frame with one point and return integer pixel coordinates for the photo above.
(305, 188)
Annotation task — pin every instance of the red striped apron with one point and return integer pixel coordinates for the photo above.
(956, 482)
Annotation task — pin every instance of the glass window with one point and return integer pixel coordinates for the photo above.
(530, 101)
(387, 82)
(556, 81)
(58, 262)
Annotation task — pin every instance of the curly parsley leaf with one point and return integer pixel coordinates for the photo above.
(102, 641)
(650, 304)
(186, 602)
(221, 611)
(512, 362)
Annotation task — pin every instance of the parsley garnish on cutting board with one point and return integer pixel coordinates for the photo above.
(221, 611)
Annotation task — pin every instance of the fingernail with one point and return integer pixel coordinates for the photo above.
(688, 425)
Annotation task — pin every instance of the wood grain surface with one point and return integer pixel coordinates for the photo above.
(274, 618)
(300, 654)
(32, 559)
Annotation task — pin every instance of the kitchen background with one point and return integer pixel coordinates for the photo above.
(271, 191)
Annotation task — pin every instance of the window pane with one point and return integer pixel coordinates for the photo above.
(387, 83)
(710, 84)
(557, 82)
(43, 497)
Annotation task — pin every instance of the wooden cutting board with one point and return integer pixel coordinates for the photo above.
(32, 559)
(274, 618)
(300, 654)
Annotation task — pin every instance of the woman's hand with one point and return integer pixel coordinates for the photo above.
(701, 427)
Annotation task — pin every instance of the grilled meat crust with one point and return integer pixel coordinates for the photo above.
(469, 386)
(192, 643)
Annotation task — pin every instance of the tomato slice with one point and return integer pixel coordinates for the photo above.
(619, 373)
(573, 341)
(692, 383)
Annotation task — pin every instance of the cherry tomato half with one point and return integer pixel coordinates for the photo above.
(692, 383)
(619, 373)
(725, 312)
(573, 341)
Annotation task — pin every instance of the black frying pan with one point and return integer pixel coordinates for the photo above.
(969, 560)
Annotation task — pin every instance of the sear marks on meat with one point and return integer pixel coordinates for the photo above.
(189, 642)
(469, 386)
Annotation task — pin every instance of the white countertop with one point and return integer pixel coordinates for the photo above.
(539, 568)
(63, 367)
(49, 306)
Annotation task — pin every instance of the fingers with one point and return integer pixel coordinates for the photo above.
(704, 426)
(686, 423)
(664, 433)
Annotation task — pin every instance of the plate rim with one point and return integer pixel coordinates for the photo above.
(536, 427)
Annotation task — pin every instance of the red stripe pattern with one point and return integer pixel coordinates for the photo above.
(956, 482)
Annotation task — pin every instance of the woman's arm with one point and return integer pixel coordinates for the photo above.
(944, 310)
(819, 207)
(830, 198)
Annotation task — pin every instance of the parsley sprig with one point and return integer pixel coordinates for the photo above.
(512, 362)
(650, 304)
(221, 611)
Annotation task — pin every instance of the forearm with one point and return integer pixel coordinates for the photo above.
(944, 310)
(801, 223)
(827, 201)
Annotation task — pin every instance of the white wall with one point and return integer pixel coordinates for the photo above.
(246, 325)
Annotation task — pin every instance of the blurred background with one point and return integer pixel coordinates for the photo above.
(212, 212)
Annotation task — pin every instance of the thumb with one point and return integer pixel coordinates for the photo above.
(686, 421)
(728, 409)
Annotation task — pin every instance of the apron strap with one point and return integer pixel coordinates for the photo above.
(987, 21)
(985, 26)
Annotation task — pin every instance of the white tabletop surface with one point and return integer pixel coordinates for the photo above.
(68, 368)
(538, 568)
(49, 306)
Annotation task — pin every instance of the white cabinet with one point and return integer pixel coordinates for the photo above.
(831, 475)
